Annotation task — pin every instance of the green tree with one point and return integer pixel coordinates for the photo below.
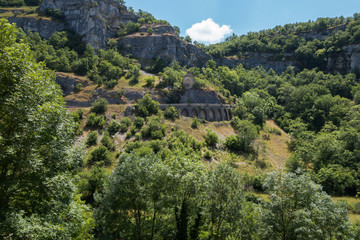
(299, 209)
(146, 106)
(37, 157)
(99, 106)
(92, 139)
(211, 138)
(171, 113)
(225, 206)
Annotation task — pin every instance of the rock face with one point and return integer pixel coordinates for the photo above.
(200, 96)
(95, 21)
(164, 44)
(347, 60)
(44, 27)
(266, 60)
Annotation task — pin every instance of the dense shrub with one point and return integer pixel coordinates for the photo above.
(195, 123)
(125, 124)
(99, 106)
(171, 113)
(211, 138)
(92, 139)
(94, 121)
(146, 106)
(138, 122)
(154, 129)
(100, 155)
(113, 127)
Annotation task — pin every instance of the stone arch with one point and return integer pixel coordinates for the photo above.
(184, 112)
(202, 114)
(211, 115)
(226, 116)
(230, 115)
(194, 113)
(218, 115)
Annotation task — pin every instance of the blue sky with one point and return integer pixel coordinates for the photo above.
(241, 16)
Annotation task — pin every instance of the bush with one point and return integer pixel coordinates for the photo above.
(195, 123)
(78, 87)
(100, 155)
(113, 127)
(208, 154)
(80, 113)
(150, 81)
(125, 124)
(130, 146)
(94, 121)
(92, 139)
(146, 106)
(138, 122)
(232, 143)
(107, 142)
(99, 106)
(111, 83)
(171, 113)
(154, 129)
(211, 138)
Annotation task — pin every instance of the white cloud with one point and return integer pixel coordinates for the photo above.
(208, 31)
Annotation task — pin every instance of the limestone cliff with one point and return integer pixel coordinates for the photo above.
(44, 27)
(95, 21)
(162, 43)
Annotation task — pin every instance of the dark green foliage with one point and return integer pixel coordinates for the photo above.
(94, 121)
(19, 3)
(78, 87)
(138, 122)
(195, 123)
(125, 124)
(108, 142)
(171, 113)
(11, 3)
(100, 155)
(113, 127)
(37, 157)
(99, 106)
(246, 134)
(91, 182)
(211, 138)
(154, 129)
(299, 209)
(92, 139)
(133, 74)
(146, 106)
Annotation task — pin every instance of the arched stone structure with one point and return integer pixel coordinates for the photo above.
(184, 112)
(219, 116)
(211, 115)
(226, 116)
(209, 112)
(194, 113)
(202, 114)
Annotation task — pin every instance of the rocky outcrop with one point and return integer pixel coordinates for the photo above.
(200, 96)
(95, 21)
(44, 27)
(164, 44)
(348, 60)
(266, 60)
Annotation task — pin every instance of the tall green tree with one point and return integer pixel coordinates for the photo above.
(37, 159)
(299, 209)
